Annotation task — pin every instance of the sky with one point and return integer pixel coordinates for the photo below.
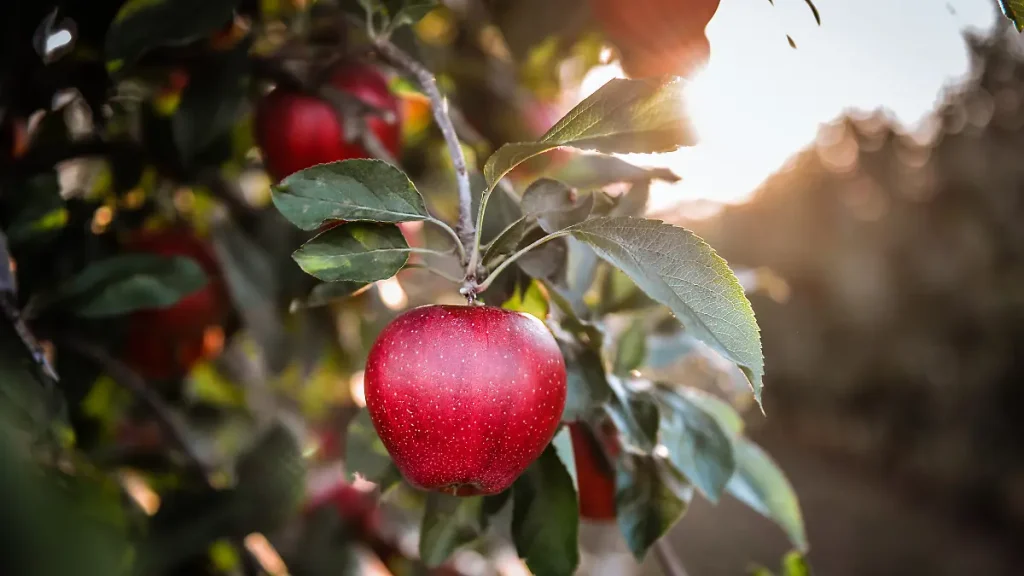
(759, 101)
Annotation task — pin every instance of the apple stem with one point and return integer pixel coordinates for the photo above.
(465, 228)
(508, 261)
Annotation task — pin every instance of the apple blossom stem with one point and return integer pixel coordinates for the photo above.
(501, 267)
(448, 229)
(466, 226)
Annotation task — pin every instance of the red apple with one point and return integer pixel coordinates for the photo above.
(297, 130)
(465, 397)
(595, 477)
(164, 343)
(657, 37)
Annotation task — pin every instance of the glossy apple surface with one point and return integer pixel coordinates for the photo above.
(465, 397)
(296, 130)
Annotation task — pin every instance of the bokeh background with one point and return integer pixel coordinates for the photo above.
(865, 178)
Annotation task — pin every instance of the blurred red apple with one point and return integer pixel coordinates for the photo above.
(165, 343)
(464, 398)
(658, 37)
(595, 477)
(297, 130)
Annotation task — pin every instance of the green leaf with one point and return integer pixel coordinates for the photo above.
(631, 349)
(635, 414)
(555, 205)
(531, 301)
(547, 261)
(371, 190)
(408, 12)
(328, 292)
(354, 252)
(794, 564)
(644, 115)
(760, 484)
(585, 378)
(141, 25)
(129, 282)
(562, 443)
(1014, 10)
(589, 171)
(37, 211)
(211, 103)
(697, 445)
(678, 269)
(649, 499)
(545, 517)
(506, 243)
(365, 454)
(728, 419)
(448, 522)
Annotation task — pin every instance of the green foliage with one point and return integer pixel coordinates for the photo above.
(622, 116)
(760, 484)
(223, 464)
(650, 498)
(354, 252)
(142, 25)
(697, 445)
(369, 190)
(449, 522)
(679, 270)
(365, 454)
(1014, 10)
(545, 517)
(123, 284)
(555, 205)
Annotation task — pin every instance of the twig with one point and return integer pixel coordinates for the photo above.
(125, 376)
(669, 561)
(466, 227)
(508, 261)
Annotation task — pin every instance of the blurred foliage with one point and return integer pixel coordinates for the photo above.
(897, 339)
(190, 405)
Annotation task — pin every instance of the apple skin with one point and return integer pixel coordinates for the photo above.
(658, 37)
(297, 130)
(464, 398)
(596, 479)
(165, 343)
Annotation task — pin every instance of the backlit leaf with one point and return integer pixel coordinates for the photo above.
(678, 269)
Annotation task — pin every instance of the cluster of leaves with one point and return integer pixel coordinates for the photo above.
(675, 438)
(564, 250)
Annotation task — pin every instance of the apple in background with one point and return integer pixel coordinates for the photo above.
(657, 37)
(594, 473)
(538, 117)
(356, 507)
(297, 130)
(165, 343)
(464, 398)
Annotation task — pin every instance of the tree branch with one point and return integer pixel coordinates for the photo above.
(466, 227)
(130, 380)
